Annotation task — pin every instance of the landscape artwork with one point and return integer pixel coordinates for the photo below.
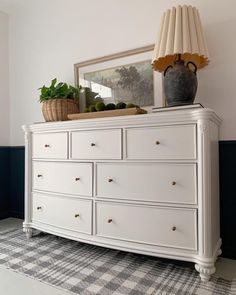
(132, 83)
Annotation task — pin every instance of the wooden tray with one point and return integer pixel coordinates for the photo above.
(102, 114)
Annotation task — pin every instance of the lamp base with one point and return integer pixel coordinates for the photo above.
(180, 84)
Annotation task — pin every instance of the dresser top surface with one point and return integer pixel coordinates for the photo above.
(168, 117)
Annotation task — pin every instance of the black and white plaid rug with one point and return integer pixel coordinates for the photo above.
(87, 270)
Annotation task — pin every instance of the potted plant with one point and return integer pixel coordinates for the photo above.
(58, 100)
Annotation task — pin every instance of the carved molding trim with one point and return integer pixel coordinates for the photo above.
(203, 127)
(28, 231)
(205, 272)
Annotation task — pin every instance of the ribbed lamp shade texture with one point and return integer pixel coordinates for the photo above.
(181, 33)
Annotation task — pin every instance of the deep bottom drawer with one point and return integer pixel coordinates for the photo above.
(68, 213)
(172, 227)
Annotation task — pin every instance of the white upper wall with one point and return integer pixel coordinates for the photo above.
(4, 81)
(48, 36)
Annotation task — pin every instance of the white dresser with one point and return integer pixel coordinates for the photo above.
(146, 184)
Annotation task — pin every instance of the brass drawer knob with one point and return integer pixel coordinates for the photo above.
(47, 145)
(76, 215)
(39, 175)
(39, 208)
(110, 180)
(174, 228)
(109, 220)
(92, 144)
(173, 182)
(77, 178)
(157, 142)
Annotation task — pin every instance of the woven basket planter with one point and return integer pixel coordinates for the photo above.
(58, 109)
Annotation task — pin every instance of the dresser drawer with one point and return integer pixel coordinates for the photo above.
(96, 144)
(50, 145)
(68, 213)
(171, 183)
(61, 177)
(170, 227)
(164, 142)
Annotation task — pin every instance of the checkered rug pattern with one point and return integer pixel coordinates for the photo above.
(87, 270)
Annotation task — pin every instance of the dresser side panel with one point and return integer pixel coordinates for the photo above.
(214, 155)
(208, 189)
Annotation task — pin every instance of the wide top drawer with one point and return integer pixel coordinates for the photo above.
(50, 145)
(161, 142)
(96, 144)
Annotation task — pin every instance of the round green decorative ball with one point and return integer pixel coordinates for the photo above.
(92, 108)
(100, 106)
(121, 105)
(110, 106)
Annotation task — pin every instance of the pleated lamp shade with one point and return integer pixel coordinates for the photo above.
(181, 33)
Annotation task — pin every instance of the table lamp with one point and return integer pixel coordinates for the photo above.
(179, 52)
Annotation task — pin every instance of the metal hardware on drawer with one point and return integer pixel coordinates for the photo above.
(77, 178)
(110, 180)
(174, 228)
(39, 208)
(109, 220)
(76, 215)
(157, 142)
(93, 144)
(46, 145)
(39, 175)
(173, 182)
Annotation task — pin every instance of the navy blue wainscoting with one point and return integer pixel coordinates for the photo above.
(228, 197)
(4, 182)
(12, 182)
(17, 171)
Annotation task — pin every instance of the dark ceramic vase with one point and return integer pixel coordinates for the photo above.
(180, 84)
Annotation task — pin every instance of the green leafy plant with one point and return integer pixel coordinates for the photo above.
(59, 90)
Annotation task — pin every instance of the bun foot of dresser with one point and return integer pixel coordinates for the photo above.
(205, 272)
(28, 232)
